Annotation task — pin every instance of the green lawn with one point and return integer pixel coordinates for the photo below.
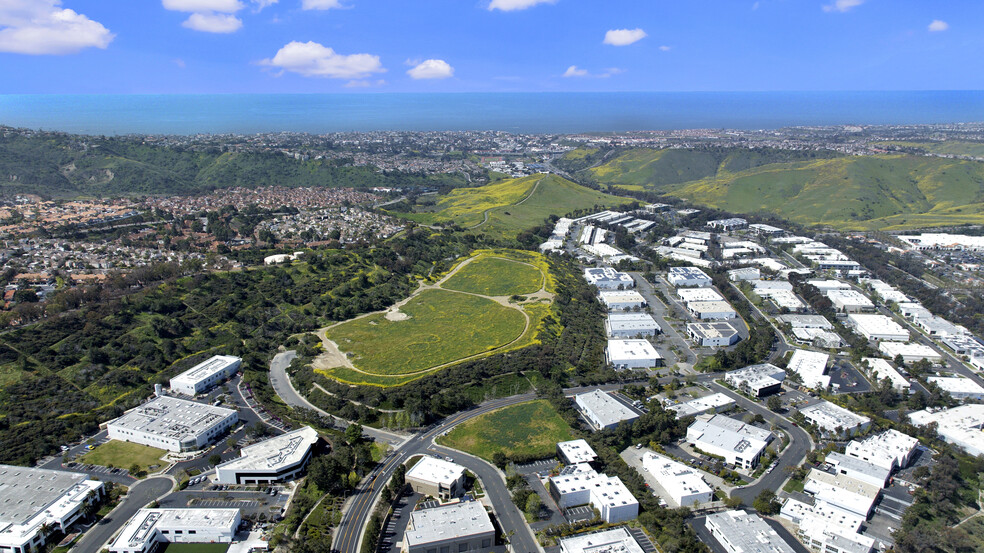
(196, 548)
(496, 276)
(443, 326)
(524, 430)
(123, 455)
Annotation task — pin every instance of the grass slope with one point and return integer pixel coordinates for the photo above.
(496, 276)
(527, 430)
(443, 326)
(946, 147)
(116, 453)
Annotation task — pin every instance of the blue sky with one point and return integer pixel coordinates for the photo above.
(313, 46)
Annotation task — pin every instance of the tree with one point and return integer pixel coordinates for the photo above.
(533, 505)
(353, 434)
(214, 459)
(774, 404)
(499, 459)
(134, 469)
(766, 503)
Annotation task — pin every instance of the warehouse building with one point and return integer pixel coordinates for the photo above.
(858, 469)
(712, 310)
(630, 325)
(959, 387)
(278, 459)
(842, 491)
(797, 511)
(203, 376)
(811, 366)
(910, 352)
(622, 300)
(833, 539)
(806, 321)
(757, 380)
(891, 449)
(744, 273)
(616, 540)
(437, 478)
(961, 426)
(731, 223)
(688, 295)
(603, 411)
(607, 278)
(461, 527)
(742, 532)
(173, 424)
(150, 527)
(581, 485)
(881, 369)
(834, 419)
(575, 452)
(32, 498)
(740, 445)
(632, 354)
(682, 277)
(714, 403)
(713, 334)
(877, 327)
(849, 301)
(684, 485)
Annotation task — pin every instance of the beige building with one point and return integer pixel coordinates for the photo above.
(457, 528)
(437, 478)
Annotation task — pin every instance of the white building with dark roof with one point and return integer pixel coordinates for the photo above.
(460, 527)
(150, 527)
(173, 424)
(629, 325)
(603, 411)
(32, 499)
(203, 376)
(277, 459)
(834, 419)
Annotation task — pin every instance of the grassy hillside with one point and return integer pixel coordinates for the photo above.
(67, 166)
(947, 147)
(509, 207)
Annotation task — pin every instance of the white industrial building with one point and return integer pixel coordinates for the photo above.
(149, 527)
(849, 301)
(806, 321)
(742, 532)
(881, 369)
(574, 452)
(688, 295)
(607, 278)
(834, 419)
(731, 223)
(891, 449)
(616, 540)
(910, 352)
(203, 376)
(858, 469)
(581, 485)
(959, 387)
(32, 499)
(622, 300)
(713, 334)
(938, 327)
(714, 403)
(842, 491)
(437, 478)
(173, 424)
(682, 277)
(602, 410)
(877, 327)
(684, 485)
(630, 325)
(825, 538)
(962, 426)
(757, 380)
(712, 310)
(826, 285)
(787, 300)
(460, 527)
(740, 445)
(278, 459)
(811, 366)
(744, 273)
(632, 354)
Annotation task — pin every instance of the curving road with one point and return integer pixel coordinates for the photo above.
(140, 494)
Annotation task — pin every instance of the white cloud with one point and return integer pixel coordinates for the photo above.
(320, 4)
(213, 22)
(842, 5)
(665, 48)
(624, 37)
(203, 6)
(938, 26)
(311, 59)
(258, 5)
(43, 27)
(431, 69)
(573, 71)
(513, 5)
(180, 63)
(755, 6)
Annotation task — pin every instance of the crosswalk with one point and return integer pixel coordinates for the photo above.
(227, 504)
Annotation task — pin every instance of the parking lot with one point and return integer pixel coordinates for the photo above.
(574, 514)
(251, 502)
(537, 467)
(845, 379)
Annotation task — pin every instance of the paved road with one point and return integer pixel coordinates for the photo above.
(285, 389)
(348, 535)
(138, 497)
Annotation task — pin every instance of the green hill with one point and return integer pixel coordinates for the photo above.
(59, 165)
(852, 193)
(509, 207)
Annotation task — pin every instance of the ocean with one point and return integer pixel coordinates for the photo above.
(511, 112)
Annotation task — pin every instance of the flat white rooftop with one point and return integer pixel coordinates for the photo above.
(577, 451)
(141, 526)
(878, 327)
(704, 404)
(909, 352)
(961, 425)
(699, 294)
(811, 366)
(678, 479)
(890, 449)
(605, 408)
(829, 416)
(172, 418)
(276, 453)
(621, 296)
(632, 350)
(447, 523)
(438, 471)
(742, 532)
(882, 369)
(205, 369)
(806, 321)
(616, 540)
(957, 386)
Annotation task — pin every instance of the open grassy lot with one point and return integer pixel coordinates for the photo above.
(442, 326)
(121, 454)
(525, 430)
(496, 276)
(196, 548)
